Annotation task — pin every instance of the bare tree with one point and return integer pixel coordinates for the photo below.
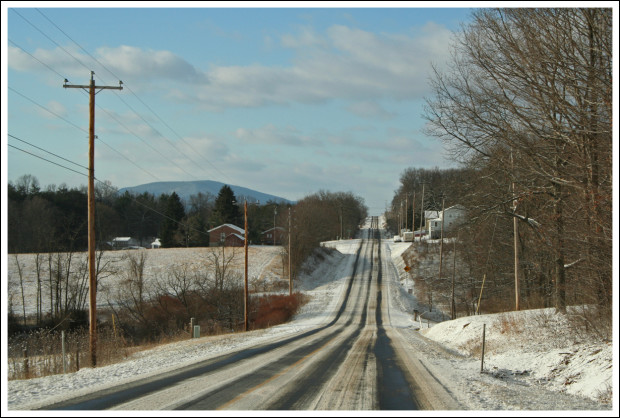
(537, 83)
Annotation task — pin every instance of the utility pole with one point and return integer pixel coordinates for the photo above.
(453, 305)
(413, 217)
(406, 208)
(275, 211)
(245, 281)
(516, 237)
(92, 277)
(441, 243)
(422, 213)
(290, 277)
(341, 222)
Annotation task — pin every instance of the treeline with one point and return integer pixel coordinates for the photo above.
(52, 225)
(525, 106)
(54, 219)
(323, 216)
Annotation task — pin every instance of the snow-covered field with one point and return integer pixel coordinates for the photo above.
(522, 358)
(264, 269)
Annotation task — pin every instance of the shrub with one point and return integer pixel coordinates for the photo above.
(275, 309)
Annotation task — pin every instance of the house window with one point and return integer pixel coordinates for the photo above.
(222, 236)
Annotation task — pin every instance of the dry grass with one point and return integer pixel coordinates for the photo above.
(510, 324)
(39, 353)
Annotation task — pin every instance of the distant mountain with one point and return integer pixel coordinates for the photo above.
(187, 188)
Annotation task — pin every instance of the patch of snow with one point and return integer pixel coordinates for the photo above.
(523, 363)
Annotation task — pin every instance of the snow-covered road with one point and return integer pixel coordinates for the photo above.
(517, 376)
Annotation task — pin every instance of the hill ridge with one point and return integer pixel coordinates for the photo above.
(185, 189)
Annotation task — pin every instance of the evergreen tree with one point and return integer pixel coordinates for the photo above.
(175, 212)
(226, 209)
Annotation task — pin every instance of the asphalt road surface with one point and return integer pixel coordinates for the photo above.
(358, 361)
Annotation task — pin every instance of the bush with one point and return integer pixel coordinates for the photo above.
(275, 309)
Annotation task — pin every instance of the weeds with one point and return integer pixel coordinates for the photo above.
(509, 324)
(276, 309)
(39, 353)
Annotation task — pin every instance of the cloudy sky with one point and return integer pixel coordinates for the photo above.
(287, 101)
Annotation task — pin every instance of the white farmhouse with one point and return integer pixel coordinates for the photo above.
(453, 215)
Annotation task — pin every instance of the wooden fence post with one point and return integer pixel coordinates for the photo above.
(26, 365)
(64, 359)
(484, 327)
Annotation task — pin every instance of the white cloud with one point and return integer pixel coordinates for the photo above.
(369, 109)
(345, 63)
(270, 134)
(57, 108)
(129, 61)
(126, 62)
(307, 37)
(342, 63)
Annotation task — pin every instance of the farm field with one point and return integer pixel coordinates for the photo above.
(265, 271)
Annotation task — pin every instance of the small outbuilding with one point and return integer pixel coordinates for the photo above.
(273, 236)
(121, 243)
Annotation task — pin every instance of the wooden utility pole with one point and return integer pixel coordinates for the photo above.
(92, 276)
(452, 304)
(290, 276)
(245, 281)
(413, 217)
(422, 213)
(406, 207)
(275, 211)
(441, 243)
(516, 238)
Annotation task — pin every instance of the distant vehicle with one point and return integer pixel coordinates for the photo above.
(408, 236)
(397, 238)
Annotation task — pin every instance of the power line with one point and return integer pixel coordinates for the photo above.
(45, 159)
(51, 40)
(41, 149)
(47, 110)
(107, 186)
(141, 101)
(38, 60)
(66, 81)
(86, 131)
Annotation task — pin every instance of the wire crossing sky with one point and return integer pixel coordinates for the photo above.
(284, 100)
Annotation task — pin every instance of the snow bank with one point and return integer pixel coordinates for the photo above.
(535, 344)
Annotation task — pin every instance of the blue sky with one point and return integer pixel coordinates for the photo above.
(287, 101)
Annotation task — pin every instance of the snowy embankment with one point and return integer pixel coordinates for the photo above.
(534, 347)
(518, 345)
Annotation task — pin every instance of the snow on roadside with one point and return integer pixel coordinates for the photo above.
(557, 363)
(537, 345)
(323, 283)
(518, 343)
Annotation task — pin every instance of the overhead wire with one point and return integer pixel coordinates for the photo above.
(41, 149)
(83, 130)
(105, 185)
(84, 65)
(45, 159)
(141, 101)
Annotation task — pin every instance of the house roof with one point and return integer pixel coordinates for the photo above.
(231, 226)
(271, 229)
(118, 239)
(238, 236)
